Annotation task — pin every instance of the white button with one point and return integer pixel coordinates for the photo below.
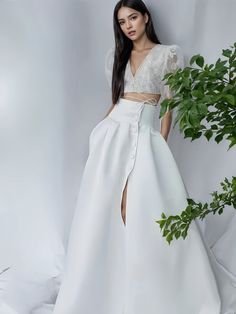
(132, 156)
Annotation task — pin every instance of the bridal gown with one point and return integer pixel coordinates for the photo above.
(117, 268)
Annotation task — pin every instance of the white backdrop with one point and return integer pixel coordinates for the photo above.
(53, 91)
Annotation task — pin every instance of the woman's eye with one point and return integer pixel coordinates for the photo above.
(132, 18)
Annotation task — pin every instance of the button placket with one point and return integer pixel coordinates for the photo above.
(135, 128)
(134, 133)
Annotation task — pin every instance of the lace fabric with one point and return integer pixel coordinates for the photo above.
(174, 60)
(149, 76)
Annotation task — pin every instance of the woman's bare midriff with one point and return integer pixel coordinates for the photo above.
(153, 98)
(139, 97)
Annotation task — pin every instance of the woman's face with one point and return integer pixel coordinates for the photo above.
(132, 22)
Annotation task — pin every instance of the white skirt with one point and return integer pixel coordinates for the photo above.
(113, 268)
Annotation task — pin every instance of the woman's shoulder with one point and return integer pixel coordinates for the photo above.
(170, 49)
(171, 55)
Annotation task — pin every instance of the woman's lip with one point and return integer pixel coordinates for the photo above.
(131, 33)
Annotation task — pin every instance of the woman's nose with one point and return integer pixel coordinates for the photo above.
(128, 24)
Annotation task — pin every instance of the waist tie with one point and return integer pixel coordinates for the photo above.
(151, 101)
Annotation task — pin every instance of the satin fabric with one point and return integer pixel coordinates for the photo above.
(112, 268)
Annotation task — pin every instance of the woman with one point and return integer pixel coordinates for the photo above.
(117, 261)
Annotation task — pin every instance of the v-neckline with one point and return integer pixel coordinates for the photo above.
(141, 63)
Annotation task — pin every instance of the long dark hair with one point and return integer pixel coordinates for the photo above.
(124, 45)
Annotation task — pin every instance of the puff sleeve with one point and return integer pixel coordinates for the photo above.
(174, 60)
(109, 59)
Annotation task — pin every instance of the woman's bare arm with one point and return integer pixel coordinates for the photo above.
(166, 124)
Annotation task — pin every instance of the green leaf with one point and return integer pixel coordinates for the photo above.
(193, 59)
(163, 215)
(196, 135)
(162, 223)
(194, 73)
(165, 232)
(226, 53)
(214, 127)
(233, 142)
(188, 132)
(208, 134)
(191, 201)
(182, 122)
(219, 138)
(220, 211)
(168, 221)
(184, 233)
(197, 93)
(172, 227)
(230, 99)
(164, 107)
(202, 109)
(177, 234)
(200, 61)
(169, 238)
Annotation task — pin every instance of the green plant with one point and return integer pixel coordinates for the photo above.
(205, 99)
(178, 225)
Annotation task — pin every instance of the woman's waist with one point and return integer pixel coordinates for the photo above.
(148, 98)
(134, 112)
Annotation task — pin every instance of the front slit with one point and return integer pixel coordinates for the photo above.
(123, 202)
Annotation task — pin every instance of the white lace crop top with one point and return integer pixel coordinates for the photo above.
(161, 59)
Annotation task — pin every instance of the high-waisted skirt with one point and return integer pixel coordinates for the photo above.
(117, 268)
